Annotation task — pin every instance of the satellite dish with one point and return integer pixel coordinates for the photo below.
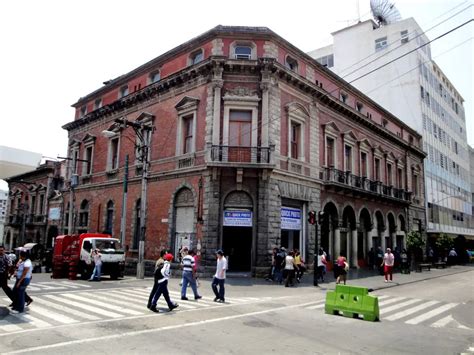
(384, 12)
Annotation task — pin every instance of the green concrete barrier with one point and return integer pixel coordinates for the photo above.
(352, 302)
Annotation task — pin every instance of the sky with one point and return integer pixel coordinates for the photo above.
(55, 51)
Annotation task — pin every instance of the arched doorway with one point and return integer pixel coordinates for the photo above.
(364, 242)
(392, 228)
(348, 244)
(330, 230)
(401, 232)
(380, 228)
(237, 230)
(184, 221)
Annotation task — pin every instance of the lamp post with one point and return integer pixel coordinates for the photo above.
(142, 132)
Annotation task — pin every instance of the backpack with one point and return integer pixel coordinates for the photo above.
(158, 274)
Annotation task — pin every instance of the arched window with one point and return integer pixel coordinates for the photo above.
(291, 64)
(196, 57)
(109, 217)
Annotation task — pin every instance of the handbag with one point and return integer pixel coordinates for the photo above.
(346, 266)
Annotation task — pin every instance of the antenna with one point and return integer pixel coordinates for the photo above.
(384, 12)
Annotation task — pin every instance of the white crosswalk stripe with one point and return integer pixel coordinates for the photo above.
(77, 304)
(431, 314)
(386, 310)
(53, 285)
(410, 311)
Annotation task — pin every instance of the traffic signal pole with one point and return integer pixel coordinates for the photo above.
(316, 252)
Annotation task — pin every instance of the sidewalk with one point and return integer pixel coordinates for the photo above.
(374, 281)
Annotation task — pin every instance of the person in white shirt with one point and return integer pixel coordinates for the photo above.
(290, 269)
(162, 280)
(187, 262)
(23, 278)
(97, 257)
(388, 261)
(219, 277)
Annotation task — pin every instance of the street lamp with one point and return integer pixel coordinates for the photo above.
(143, 133)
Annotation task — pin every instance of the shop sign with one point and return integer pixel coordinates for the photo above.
(238, 218)
(290, 218)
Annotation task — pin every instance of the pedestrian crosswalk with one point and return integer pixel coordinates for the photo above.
(54, 285)
(79, 306)
(411, 311)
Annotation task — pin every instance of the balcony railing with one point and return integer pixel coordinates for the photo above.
(230, 154)
(346, 178)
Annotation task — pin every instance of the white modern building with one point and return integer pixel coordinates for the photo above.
(416, 90)
(3, 212)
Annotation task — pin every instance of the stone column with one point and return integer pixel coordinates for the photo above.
(264, 86)
(354, 248)
(337, 242)
(217, 84)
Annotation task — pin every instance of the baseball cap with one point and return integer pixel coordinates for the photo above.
(220, 252)
(168, 257)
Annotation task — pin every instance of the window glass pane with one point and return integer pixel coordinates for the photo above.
(237, 115)
(243, 52)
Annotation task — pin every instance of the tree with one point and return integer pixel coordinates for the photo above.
(414, 244)
(444, 242)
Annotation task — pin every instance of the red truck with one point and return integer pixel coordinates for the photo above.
(72, 255)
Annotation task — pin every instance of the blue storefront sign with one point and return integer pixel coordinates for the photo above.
(238, 218)
(290, 218)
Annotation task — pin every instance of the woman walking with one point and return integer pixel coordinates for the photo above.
(342, 267)
(388, 261)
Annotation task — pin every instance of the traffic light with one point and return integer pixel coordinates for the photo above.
(312, 217)
(320, 217)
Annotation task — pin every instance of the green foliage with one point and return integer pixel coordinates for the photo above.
(444, 242)
(414, 240)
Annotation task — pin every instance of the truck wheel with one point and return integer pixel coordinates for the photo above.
(85, 275)
(114, 275)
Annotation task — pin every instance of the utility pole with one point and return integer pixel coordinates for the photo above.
(123, 218)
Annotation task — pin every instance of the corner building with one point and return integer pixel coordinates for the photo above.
(250, 134)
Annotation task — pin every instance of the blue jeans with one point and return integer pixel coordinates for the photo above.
(219, 293)
(162, 289)
(96, 273)
(277, 275)
(188, 278)
(19, 292)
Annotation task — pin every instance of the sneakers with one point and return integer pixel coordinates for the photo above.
(216, 299)
(197, 297)
(184, 298)
(154, 309)
(173, 306)
(221, 300)
(14, 311)
(29, 302)
(386, 281)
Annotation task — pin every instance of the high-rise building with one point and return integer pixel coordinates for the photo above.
(415, 89)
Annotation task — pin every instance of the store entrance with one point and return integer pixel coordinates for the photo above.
(290, 239)
(237, 245)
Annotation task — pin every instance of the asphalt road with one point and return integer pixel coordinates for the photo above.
(434, 316)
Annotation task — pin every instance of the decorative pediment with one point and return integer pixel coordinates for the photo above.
(297, 109)
(241, 94)
(391, 156)
(187, 103)
(88, 139)
(378, 151)
(331, 128)
(145, 117)
(365, 144)
(350, 137)
(74, 143)
(416, 168)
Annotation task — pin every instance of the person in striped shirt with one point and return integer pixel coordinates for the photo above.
(189, 275)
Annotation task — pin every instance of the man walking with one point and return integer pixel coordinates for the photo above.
(163, 285)
(219, 277)
(5, 266)
(188, 275)
(388, 261)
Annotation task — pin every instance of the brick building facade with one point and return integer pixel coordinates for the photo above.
(31, 197)
(249, 134)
